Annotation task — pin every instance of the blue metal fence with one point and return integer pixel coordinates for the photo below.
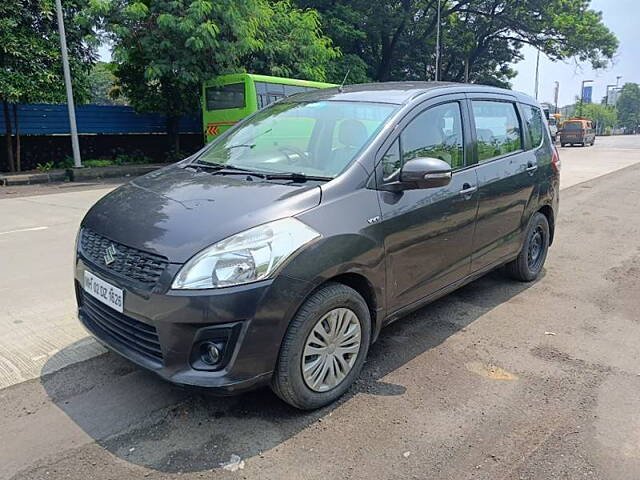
(48, 119)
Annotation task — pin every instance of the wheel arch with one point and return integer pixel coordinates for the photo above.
(361, 284)
(547, 211)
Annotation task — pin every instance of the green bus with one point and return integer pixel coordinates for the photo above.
(227, 99)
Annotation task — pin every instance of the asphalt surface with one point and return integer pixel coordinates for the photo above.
(498, 380)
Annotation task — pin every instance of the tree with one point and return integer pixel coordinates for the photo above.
(30, 64)
(395, 39)
(164, 49)
(102, 85)
(603, 115)
(292, 45)
(629, 106)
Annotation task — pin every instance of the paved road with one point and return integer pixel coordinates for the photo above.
(469, 387)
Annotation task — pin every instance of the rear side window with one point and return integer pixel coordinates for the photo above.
(225, 96)
(498, 128)
(535, 124)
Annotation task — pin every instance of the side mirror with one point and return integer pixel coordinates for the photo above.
(422, 173)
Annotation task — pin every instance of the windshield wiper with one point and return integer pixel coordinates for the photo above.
(233, 170)
(296, 177)
(227, 169)
(248, 145)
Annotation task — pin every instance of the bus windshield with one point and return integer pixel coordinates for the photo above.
(225, 96)
(312, 138)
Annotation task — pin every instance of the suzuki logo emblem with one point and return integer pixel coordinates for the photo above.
(110, 254)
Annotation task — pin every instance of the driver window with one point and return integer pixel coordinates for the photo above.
(435, 133)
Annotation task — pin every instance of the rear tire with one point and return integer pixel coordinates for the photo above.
(529, 262)
(302, 340)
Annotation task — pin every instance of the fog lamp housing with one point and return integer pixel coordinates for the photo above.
(213, 346)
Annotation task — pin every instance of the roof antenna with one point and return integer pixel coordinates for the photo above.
(344, 80)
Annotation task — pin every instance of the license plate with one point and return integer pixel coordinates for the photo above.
(103, 291)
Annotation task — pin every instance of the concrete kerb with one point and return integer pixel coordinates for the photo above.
(76, 174)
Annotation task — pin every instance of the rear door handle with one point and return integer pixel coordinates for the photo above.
(467, 189)
(532, 167)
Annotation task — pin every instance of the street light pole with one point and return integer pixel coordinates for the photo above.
(537, 73)
(607, 95)
(437, 75)
(556, 93)
(75, 146)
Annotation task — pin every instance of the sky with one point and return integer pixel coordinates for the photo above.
(621, 17)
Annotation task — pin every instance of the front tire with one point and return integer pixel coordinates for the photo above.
(324, 348)
(529, 262)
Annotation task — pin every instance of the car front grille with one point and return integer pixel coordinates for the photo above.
(138, 265)
(129, 333)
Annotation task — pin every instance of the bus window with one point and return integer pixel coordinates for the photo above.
(268, 93)
(292, 89)
(225, 96)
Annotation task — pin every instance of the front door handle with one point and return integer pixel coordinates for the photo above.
(467, 190)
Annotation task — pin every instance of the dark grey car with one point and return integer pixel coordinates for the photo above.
(277, 253)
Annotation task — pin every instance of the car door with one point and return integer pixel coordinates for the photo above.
(507, 174)
(428, 232)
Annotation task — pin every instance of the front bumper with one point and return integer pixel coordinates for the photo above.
(160, 328)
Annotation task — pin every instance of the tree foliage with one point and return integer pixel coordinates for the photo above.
(103, 88)
(30, 58)
(629, 106)
(603, 115)
(164, 49)
(395, 39)
(291, 45)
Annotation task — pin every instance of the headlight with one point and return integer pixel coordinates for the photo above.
(245, 257)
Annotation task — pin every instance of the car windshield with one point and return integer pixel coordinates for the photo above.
(312, 138)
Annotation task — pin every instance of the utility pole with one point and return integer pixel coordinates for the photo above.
(556, 93)
(437, 75)
(607, 95)
(67, 82)
(537, 73)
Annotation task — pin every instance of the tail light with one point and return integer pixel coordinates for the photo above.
(555, 160)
